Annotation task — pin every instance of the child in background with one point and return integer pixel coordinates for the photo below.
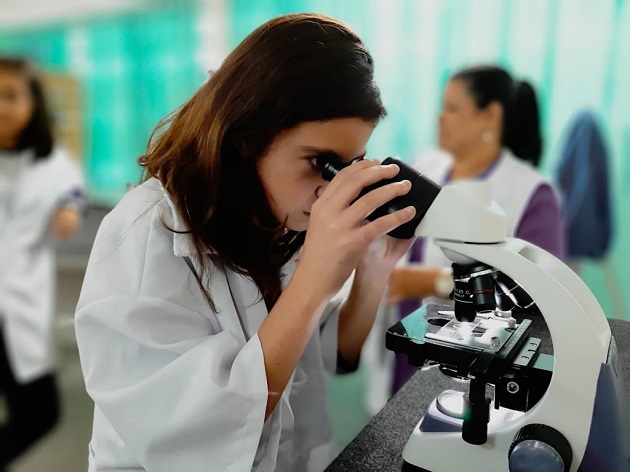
(41, 198)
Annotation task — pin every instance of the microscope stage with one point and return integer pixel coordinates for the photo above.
(432, 333)
(484, 333)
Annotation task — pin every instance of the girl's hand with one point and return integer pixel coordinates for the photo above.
(339, 238)
(383, 254)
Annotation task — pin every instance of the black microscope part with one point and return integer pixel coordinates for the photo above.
(422, 194)
(474, 290)
(518, 294)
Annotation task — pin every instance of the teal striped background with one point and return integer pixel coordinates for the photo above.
(137, 67)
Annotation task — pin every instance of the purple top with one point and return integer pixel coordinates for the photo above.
(541, 223)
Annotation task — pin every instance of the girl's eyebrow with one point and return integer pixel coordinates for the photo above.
(317, 151)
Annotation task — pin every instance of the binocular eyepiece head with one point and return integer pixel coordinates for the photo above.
(423, 191)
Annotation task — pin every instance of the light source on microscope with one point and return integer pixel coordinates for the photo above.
(451, 403)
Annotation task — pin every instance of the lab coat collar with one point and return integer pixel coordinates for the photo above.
(26, 154)
(183, 245)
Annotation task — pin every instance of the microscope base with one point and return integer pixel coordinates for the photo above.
(607, 448)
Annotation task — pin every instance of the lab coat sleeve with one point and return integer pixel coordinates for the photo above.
(180, 397)
(181, 392)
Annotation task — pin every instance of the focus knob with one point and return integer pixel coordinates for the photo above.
(540, 448)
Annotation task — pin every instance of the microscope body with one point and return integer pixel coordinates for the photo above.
(562, 425)
(563, 414)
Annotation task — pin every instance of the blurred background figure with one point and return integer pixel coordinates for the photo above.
(489, 129)
(41, 200)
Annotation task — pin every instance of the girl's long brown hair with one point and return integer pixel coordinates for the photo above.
(295, 68)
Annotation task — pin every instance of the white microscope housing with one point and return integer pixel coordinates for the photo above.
(557, 433)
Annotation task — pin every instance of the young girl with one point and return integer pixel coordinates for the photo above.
(41, 193)
(208, 314)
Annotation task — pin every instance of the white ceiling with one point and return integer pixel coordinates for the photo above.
(23, 13)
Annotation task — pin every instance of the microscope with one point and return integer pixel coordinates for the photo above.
(567, 412)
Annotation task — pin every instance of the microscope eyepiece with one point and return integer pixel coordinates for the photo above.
(331, 165)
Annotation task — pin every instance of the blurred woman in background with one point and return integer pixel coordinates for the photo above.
(41, 197)
(489, 130)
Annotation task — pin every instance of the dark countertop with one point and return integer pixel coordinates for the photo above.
(379, 446)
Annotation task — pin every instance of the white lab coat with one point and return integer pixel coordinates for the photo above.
(27, 262)
(177, 387)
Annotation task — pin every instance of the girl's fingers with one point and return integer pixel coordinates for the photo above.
(349, 182)
(386, 223)
(374, 199)
(356, 215)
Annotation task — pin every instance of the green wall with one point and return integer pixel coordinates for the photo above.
(133, 70)
(136, 68)
(572, 51)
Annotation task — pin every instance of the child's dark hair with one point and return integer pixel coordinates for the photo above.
(38, 134)
(521, 120)
(293, 69)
